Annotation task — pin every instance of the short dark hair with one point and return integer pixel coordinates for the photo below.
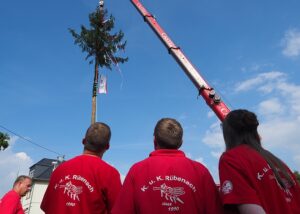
(21, 178)
(168, 133)
(97, 137)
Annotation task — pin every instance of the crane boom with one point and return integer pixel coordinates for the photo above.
(212, 99)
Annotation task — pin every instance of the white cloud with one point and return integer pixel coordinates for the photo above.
(213, 136)
(291, 43)
(271, 106)
(280, 132)
(246, 85)
(262, 81)
(12, 164)
(256, 67)
(214, 139)
(291, 93)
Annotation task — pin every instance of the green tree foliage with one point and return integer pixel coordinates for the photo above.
(4, 138)
(297, 176)
(101, 45)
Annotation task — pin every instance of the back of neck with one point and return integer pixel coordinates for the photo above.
(91, 153)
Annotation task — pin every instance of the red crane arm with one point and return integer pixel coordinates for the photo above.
(212, 99)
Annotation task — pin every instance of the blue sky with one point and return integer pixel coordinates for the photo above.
(248, 50)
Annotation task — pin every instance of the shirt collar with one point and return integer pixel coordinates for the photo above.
(167, 152)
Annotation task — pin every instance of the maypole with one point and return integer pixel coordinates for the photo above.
(100, 44)
(96, 76)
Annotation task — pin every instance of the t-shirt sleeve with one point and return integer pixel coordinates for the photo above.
(113, 189)
(125, 200)
(236, 186)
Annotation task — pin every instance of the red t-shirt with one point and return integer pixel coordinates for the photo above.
(10, 203)
(84, 184)
(246, 178)
(168, 182)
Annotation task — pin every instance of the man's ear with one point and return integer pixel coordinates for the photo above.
(83, 141)
(107, 146)
(17, 185)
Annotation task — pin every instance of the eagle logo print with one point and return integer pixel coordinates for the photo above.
(170, 193)
(71, 190)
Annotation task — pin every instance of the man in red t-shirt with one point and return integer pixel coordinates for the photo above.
(84, 184)
(10, 203)
(168, 181)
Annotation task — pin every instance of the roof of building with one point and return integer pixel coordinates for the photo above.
(43, 169)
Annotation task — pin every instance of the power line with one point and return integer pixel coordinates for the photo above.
(30, 141)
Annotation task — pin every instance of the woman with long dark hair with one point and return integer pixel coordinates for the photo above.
(253, 180)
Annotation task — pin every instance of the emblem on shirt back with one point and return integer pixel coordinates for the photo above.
(170, 193)
(71, 190)
(73, 187)
(227, 187)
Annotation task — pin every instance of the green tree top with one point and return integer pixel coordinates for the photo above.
(101, 46)
(99, 42)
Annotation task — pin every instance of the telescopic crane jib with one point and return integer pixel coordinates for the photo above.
(208, 93)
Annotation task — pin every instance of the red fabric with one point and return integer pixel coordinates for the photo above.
(10, 203)
(168, 182)
(84, 184)
(246, 178)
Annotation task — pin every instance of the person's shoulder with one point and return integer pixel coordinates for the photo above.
(198, 165)
(107, 165)
(101, 165)
(236, 151)
(139, 165)
(11, 194)
(240, 154)
(92, 160)
(194, 162)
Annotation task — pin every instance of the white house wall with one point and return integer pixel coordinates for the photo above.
(31, 204)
